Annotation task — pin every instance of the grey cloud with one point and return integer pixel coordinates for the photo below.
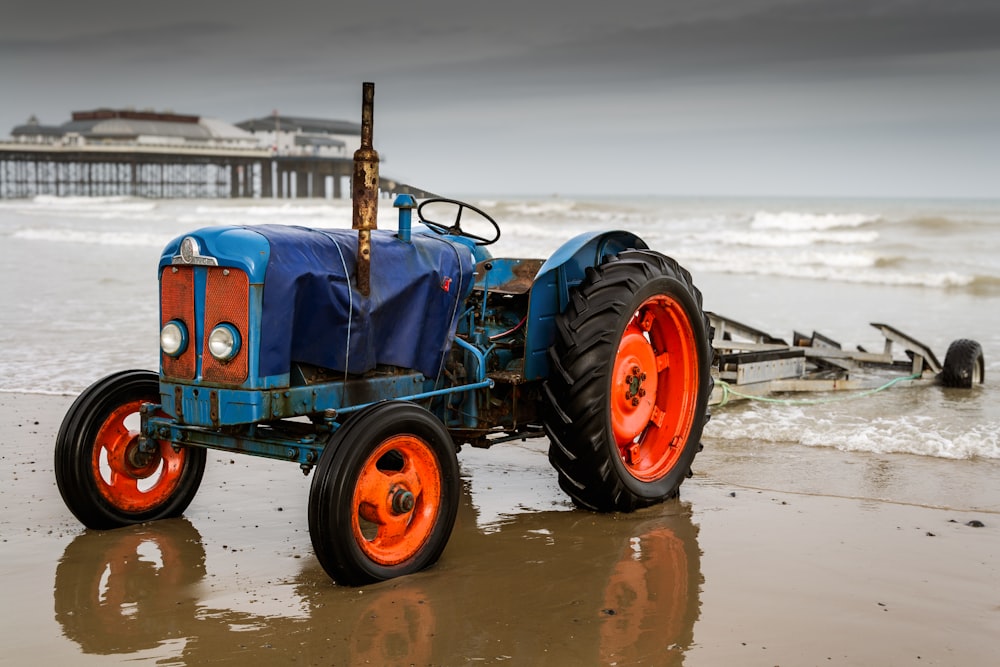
(673, 82)
(818, 36)
(87, 43)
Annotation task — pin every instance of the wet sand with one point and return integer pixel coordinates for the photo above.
(803, 556)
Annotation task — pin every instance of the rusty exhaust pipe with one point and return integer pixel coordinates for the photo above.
(364, 190)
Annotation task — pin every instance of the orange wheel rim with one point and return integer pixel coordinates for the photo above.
(396, 500)
(129, 479)
(654, 388)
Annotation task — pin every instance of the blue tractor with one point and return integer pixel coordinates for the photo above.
(369, 357)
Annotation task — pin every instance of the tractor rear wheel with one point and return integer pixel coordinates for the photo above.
(106, 479)
(629, 383)
(385, 494)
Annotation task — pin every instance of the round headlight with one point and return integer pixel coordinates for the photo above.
(173, 338)
(224, 342)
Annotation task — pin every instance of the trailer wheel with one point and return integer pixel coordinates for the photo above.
(630, 383)
(385, 494)
(963, 365)
(103, 476)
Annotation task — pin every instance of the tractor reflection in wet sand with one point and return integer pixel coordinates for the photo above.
(373, 355)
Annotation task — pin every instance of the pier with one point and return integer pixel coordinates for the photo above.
(124, 152)
(27, 170)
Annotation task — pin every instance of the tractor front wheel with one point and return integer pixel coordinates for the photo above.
(385, 495)
(105, 477)
(630, 383)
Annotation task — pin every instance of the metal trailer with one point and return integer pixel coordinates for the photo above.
(751, 363)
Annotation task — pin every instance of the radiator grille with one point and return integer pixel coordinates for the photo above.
(177, 303)
(227, 299)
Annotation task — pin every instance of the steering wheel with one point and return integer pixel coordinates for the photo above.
(456, 228)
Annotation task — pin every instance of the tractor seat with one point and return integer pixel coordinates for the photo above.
(506, 276)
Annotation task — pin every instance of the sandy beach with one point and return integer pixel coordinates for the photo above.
(804, 556)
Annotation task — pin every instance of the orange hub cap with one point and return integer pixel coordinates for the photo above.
(128, 478)
(654, 388)
(396, 500)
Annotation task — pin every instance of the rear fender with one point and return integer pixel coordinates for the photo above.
(550, 292)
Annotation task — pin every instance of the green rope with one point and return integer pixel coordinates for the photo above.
(728, 390)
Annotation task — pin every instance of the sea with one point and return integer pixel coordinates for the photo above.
(79, 291)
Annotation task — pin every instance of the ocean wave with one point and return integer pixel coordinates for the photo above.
(91, 203)
(86, 208)
(306, 215)
(748, 260)
(573, 214)
(539, 209)
(860, 268)
(109, 214)
(758, 239)
(91, 237)
(914, 436)
(931, 223)
(801, 222)
(952, 223)
(289, 209)
(905, 434)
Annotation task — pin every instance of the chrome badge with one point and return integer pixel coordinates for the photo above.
(190, 253)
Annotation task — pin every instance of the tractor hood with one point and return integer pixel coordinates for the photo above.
(312, 313)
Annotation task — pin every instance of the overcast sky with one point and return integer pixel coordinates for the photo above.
(677, 97)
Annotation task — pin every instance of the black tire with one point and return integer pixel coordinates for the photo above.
(963, 365)
(99, 469)
(599, 464)
(384, 495)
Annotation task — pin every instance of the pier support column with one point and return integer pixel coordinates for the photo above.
(266, 179)
(234, 181)
(318, 184)
(301, 184)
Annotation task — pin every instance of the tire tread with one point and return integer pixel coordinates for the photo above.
(575, 391)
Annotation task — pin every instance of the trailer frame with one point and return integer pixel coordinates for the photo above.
(749, 362)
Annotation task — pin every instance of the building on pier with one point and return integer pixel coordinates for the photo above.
(148, 153)
(107, 127)
(296, 135)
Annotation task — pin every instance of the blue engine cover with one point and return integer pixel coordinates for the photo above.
(312, 312)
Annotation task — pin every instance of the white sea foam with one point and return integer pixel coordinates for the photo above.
(912, 436)
(92, 203)
(768, 239)
(98, 213)
(306, 215)
(540, 209)
(898, 434)
(797, 221)
(850, 267)
(82, 208)
(287, 209)
(785, 263)
(92, 237)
